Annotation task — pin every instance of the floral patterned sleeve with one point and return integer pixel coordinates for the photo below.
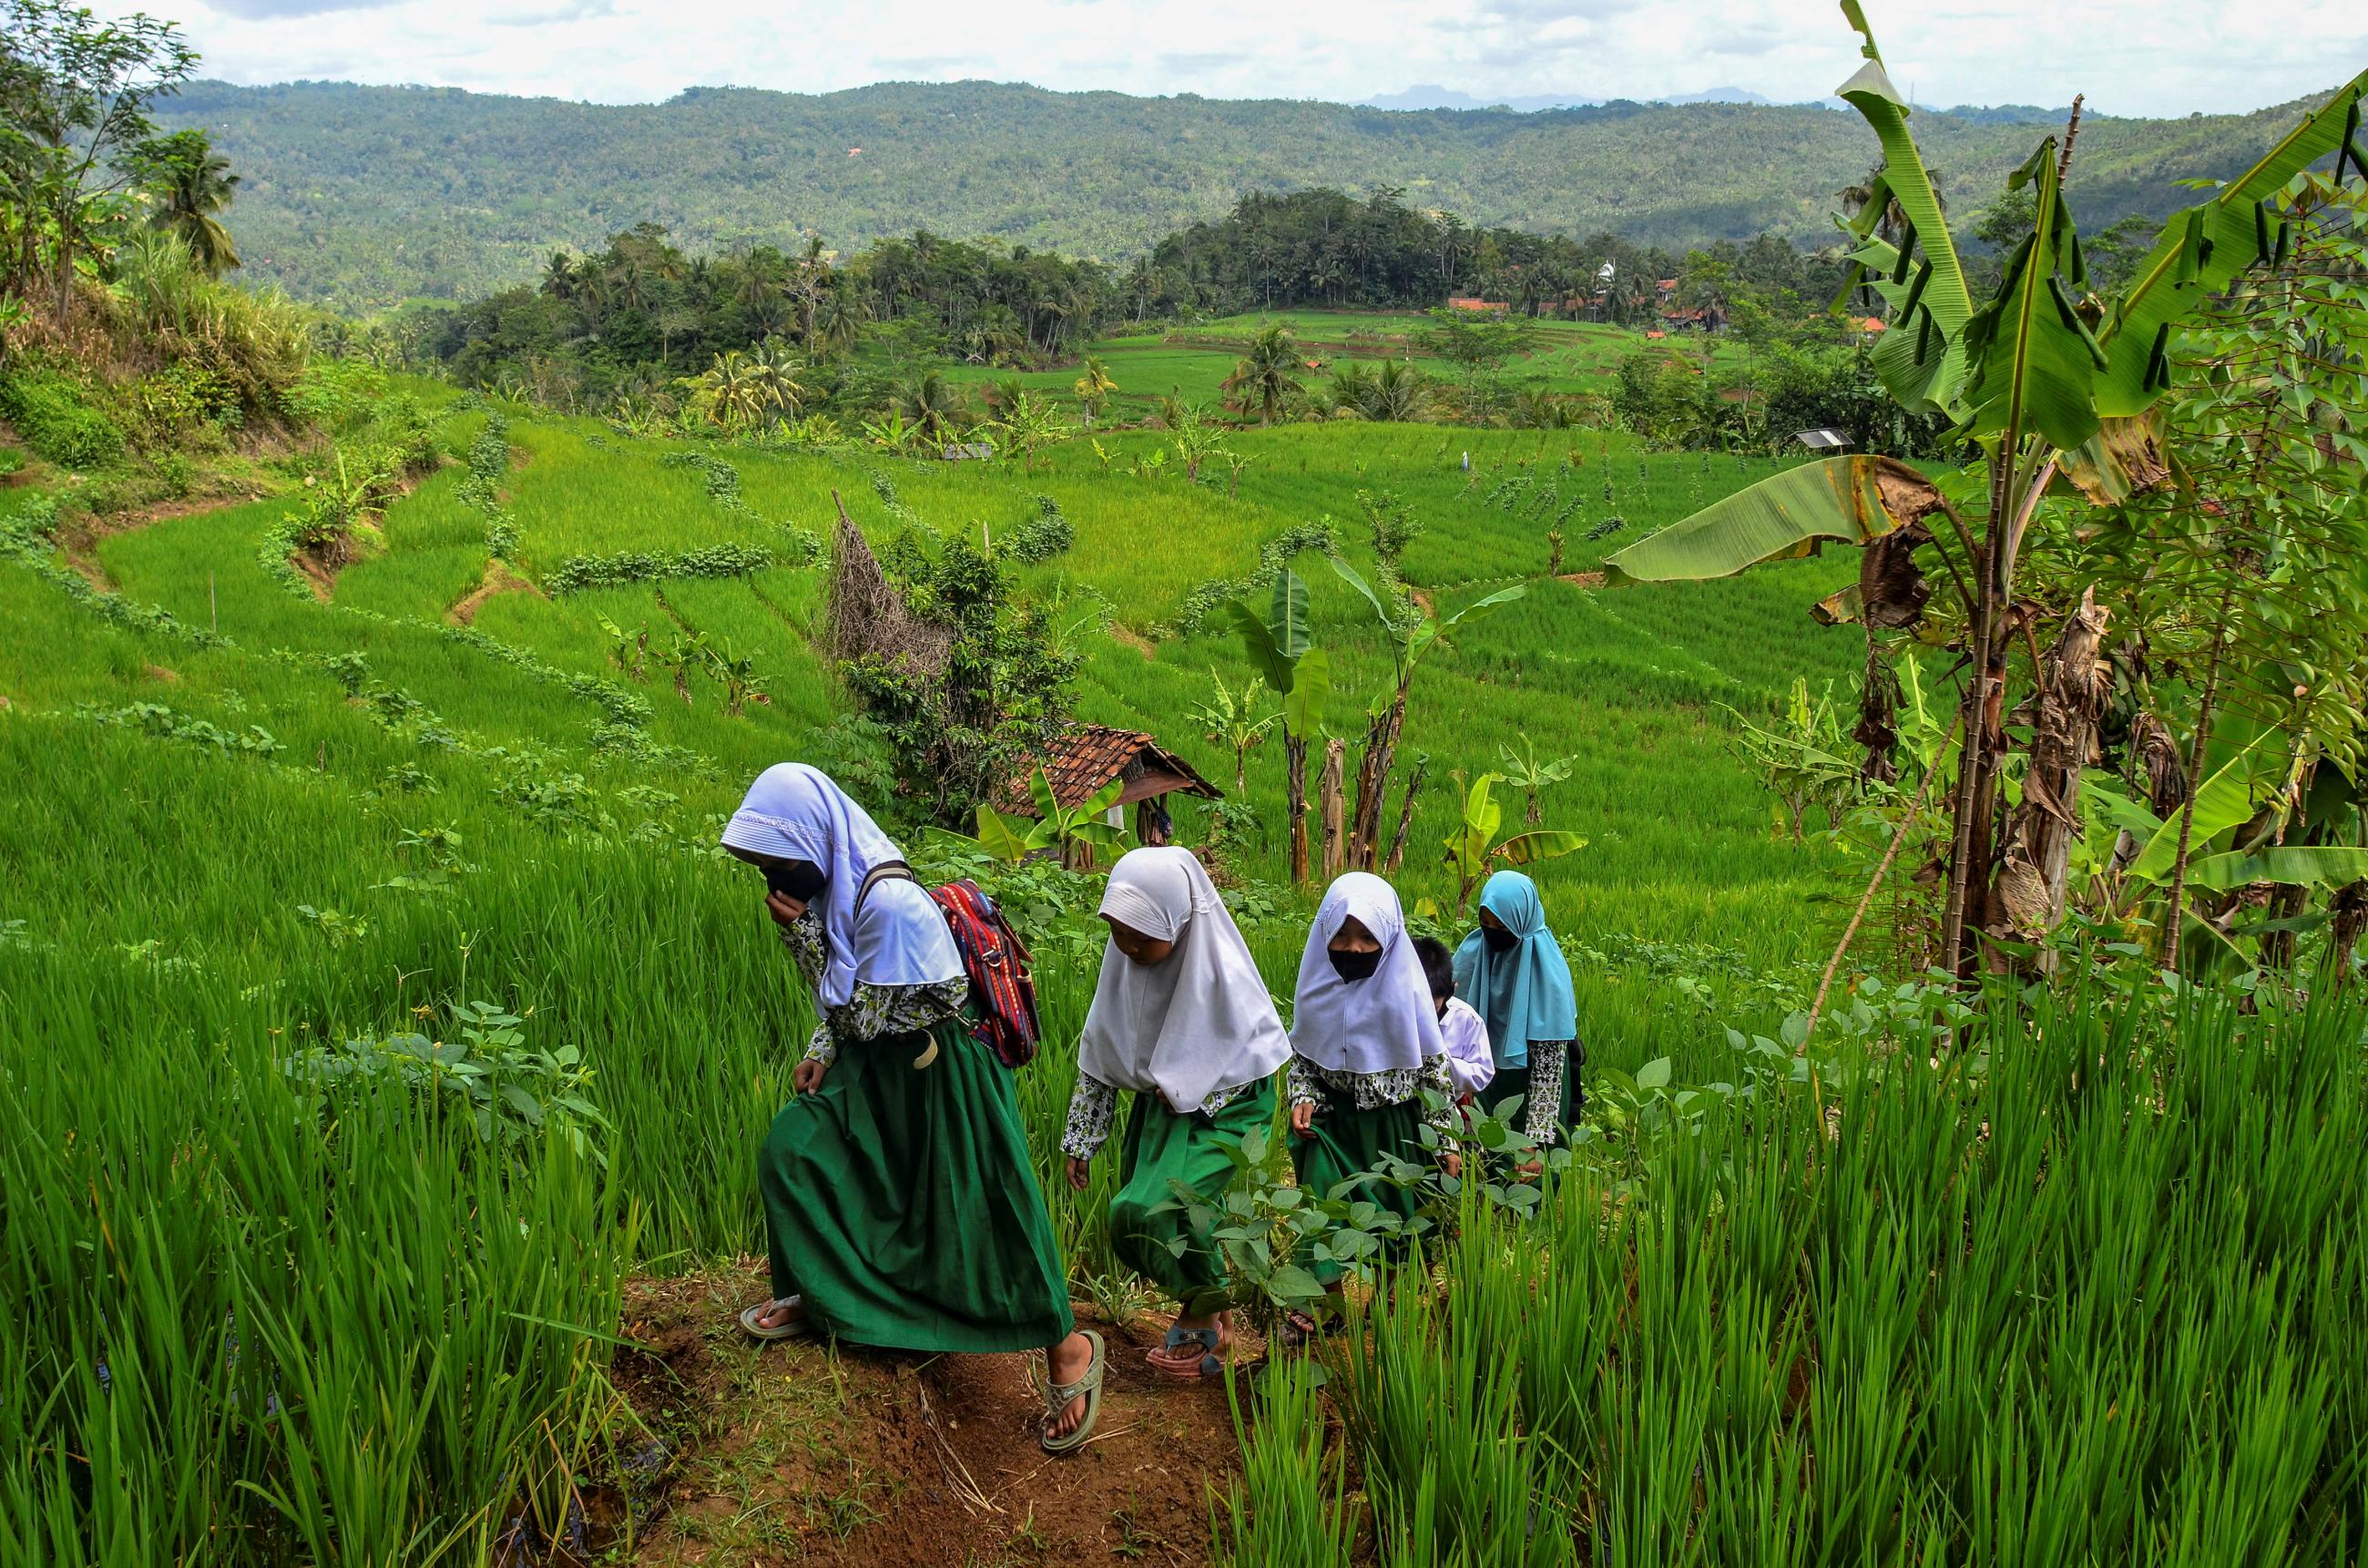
(1304, 1083)
(1549, 1059)
(1092, 1105)
(874, 1010)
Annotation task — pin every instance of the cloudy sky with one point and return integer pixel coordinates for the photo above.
(2129, 56)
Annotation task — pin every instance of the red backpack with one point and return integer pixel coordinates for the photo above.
(994, 960)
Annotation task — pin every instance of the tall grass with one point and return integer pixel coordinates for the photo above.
(2088, 1292)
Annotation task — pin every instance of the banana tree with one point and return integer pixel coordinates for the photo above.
(1076, 832)
(2052, 388)
(1473, 850)
(1410, 639)
(1281, 643)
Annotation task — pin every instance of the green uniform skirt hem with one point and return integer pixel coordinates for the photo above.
(1163, 1149)
(900, 1204)
(1347, 1142)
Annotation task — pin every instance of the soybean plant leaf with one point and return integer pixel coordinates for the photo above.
(1654, 1075)
(1291, 1282)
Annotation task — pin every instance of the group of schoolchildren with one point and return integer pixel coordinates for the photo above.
(900, 1204)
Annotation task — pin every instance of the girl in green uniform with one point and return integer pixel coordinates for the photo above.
(900, 1209)
(1181, 1019)
(1512, 970)
(1365, 1046)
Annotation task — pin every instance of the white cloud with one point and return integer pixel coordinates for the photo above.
(2128, 56)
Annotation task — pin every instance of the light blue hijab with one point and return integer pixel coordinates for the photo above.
(1525, 993)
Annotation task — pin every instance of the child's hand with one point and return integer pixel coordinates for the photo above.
(806, 1077)
(1452, 1161)
(1303, 1118)
(785, 910)
(1081, 1172)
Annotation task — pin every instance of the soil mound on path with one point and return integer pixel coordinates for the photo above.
(798, 1453)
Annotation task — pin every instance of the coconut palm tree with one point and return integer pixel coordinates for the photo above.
(775, 371)
(1267, 374)
(838, 317)
(1094, 388)
(558, 276)
(933, 404)
(193, 183)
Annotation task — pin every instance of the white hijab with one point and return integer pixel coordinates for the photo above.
(1381, 1023)
(798, 813)
(1198, 1021)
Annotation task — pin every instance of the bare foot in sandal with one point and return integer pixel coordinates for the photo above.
(1191, 1345)
(780, 1319)
(1067, 1362)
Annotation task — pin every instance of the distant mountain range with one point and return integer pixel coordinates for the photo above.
(363, 197)
(1446, 97)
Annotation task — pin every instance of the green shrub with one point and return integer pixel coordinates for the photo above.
(50, 412)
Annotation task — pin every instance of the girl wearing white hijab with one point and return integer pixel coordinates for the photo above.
(900, 1207)
(1180, 1018)
(1365, 1045)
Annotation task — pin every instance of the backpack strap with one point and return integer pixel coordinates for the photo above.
(886, 871)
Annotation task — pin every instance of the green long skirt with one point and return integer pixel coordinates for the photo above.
(899, 1203)
(1162, 1149)
(1347, 1141)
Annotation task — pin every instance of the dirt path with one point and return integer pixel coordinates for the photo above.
(1584, 579)
(797, 1453)
(499, 579)
(1121, 632)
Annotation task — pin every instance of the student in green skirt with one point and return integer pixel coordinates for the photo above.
(1365, 1045)
(1512, 970)
(1180, 1018)
(900, 1207)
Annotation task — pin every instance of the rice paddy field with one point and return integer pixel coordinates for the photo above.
(380, 1029)
(1192, 363)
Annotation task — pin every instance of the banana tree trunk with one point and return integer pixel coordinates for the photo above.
(1328, 793)
(1373, 779)
(1405, 814)
(2073, 685)
(1294, 781)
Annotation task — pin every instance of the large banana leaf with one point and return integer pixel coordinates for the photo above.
(1277, 638)
(1852, 499)
(2201, 252)
(1302, 703)
(2298, 864)
(1920, 362)
(2225, 800)
(1906, 180)
(1539, 844)
(2030, 362)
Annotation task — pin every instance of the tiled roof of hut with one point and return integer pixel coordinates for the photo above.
(1087, 757)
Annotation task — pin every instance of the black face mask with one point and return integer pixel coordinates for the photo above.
(800, 880)
(1355, 966)
(1499, 940)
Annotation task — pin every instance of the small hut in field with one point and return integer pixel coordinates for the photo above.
(1089, 757)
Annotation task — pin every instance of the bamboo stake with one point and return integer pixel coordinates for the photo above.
(1866, 899)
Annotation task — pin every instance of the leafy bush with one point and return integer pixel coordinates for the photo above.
(578, 572)
(512, 1094)
(54, 415)
(1041, 537)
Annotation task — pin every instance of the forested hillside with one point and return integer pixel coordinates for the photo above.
(360, 197)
